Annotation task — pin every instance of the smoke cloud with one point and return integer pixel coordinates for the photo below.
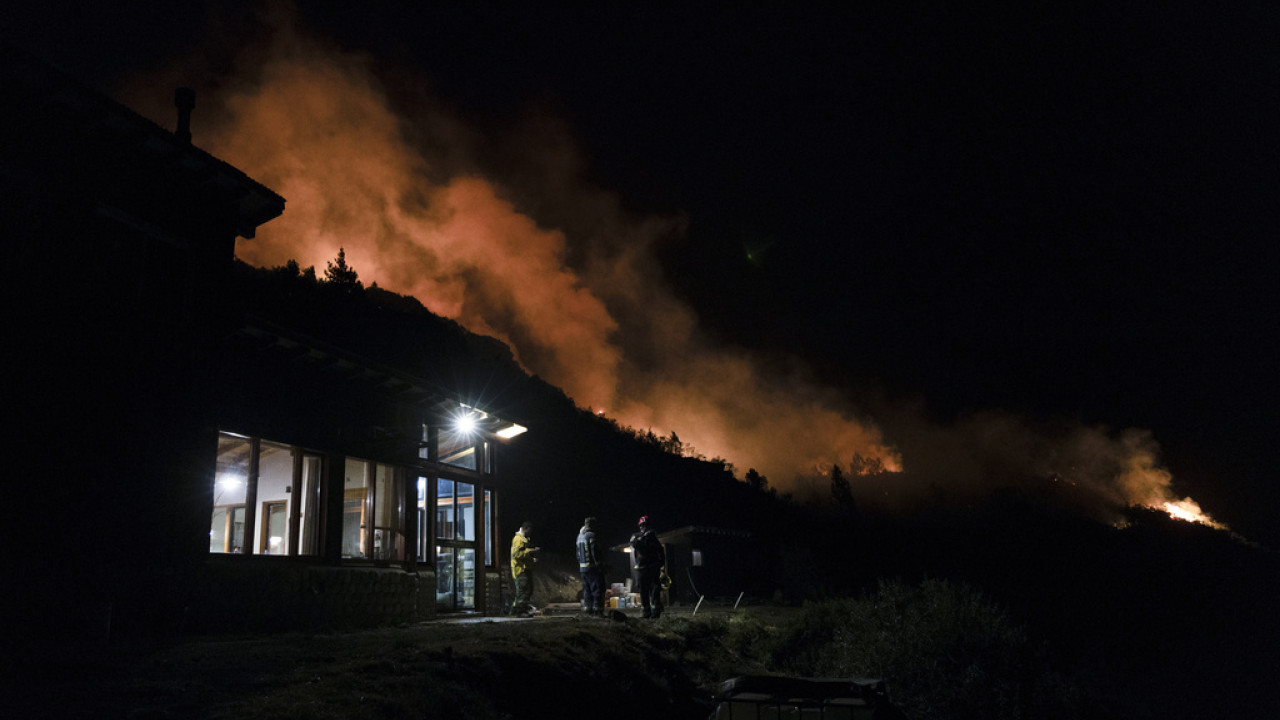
(1093, 468)
(505, 235)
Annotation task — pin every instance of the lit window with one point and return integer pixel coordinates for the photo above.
(230, 486)
(355, 494)
(697, 558)
(455, 510)
(372, 511)
(488, 528)
(275, 480)
(388, 523)
(265, 498)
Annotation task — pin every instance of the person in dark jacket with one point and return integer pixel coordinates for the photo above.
(591, 565)
(649, 561)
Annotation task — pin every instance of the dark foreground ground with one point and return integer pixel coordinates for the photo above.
(562, 665)
(557, 665)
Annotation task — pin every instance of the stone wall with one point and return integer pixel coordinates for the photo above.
(497, 593)
(255, 594)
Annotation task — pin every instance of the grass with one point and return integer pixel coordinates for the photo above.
(946, 651)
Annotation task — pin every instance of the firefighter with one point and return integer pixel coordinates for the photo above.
(591, 565)
(649, 562)
(522, 561)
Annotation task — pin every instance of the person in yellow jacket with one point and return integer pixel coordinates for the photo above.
(522, 561)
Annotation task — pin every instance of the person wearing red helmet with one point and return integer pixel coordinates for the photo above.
(648, 559)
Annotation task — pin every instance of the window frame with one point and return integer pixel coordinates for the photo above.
(255, 521)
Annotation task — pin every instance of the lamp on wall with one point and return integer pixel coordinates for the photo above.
(465, 424)
(511, 430)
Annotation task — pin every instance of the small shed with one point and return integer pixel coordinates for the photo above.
(712, 562)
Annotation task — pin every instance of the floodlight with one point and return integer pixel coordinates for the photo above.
(511, 431)
(465, 424)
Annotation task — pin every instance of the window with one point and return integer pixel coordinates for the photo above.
(226, 535)
(424, 516)
(488, 528)
(697, 558)
(307, 495)
(372, 511)
(455, 510)
(460, 439)
(388, 516)
(274, 486)
(458, 448)
(266, 498)
(230, 487)
(355, 497)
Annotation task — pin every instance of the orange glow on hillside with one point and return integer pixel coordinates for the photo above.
(1150, 487)
(1189, 510)
(508, 237)
(581, 301)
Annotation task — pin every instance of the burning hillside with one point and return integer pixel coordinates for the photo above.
(527, 250)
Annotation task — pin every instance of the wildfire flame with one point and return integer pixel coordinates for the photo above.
(1150, 485)
(1189, 510)
(533, 254)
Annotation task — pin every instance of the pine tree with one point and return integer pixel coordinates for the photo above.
(840, 489)
(341, 275)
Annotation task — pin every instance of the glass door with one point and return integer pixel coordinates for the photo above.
(454, 540)
(455, 578)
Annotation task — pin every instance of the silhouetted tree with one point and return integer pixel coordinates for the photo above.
(673, 444)
(840, 489)
(757, 481)
(339, 274)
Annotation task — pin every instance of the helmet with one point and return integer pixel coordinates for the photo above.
(644, 520)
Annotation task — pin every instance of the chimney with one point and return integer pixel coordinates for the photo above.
(185, 100)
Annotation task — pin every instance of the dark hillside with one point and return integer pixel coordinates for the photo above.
(1157, 609)
(1152, 609)
(569, 465)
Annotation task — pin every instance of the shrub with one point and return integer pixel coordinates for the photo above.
(945, 651)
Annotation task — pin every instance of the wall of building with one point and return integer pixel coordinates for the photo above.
(497, 595)
(280, 594)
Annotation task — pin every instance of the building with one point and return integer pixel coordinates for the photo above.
(184, 459)
(711, 562)
(704, 562)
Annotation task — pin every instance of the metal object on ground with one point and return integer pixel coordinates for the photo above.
(765, 696)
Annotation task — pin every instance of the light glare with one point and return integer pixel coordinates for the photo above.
(466, 424)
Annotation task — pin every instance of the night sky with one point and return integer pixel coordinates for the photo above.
(1063, 213)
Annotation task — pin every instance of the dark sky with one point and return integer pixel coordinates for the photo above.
(1061, 212)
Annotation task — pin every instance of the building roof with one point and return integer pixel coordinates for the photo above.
(261, 338)
(703, 530)
(66, 137)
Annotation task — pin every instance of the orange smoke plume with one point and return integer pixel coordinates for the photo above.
(576, 292)
(529, 252)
